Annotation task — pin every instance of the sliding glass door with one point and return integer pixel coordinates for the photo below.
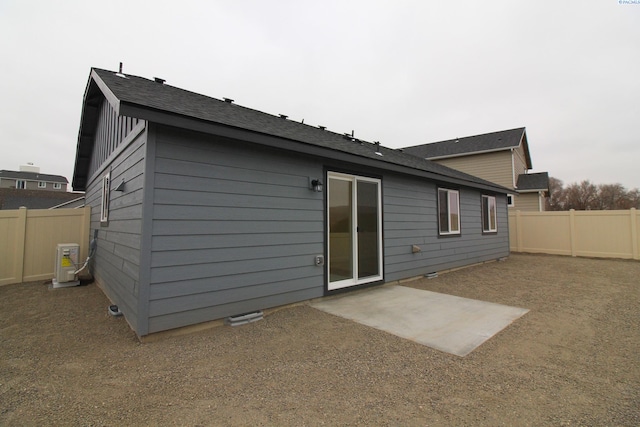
(354, 223)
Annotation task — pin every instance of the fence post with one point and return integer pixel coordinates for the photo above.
(21, 235)
(572, 231)
(634, 233)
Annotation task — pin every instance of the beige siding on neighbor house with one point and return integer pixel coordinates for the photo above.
(494, 167)
(527, 202)
(28, 239)
(603, 234)
(519, 162)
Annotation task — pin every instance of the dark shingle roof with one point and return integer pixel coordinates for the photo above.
(494, 141)
(134, 93)
(533, 181)
(32, 176)
(11, 198)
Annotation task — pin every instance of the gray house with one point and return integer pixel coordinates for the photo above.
(205, 209)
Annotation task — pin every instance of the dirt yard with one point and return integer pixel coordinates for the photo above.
(574, 359)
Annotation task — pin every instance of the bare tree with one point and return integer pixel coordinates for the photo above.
(586, 196)
(581, 196)
(612, 196)
(556, 199)
(633, 198)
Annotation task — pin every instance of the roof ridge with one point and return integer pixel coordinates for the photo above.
(145, 99)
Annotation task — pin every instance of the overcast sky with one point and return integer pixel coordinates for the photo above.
(399, 72)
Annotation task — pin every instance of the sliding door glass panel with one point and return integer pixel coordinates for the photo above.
(367, 229)
(340, 229)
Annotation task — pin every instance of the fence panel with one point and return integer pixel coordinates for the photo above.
(604, 234)
(28, 240)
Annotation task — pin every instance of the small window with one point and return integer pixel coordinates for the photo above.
(104, 207)
(448, 211)
(57, 185)
(20, 184)
(42, 184)
(510, 200)
(489, 218)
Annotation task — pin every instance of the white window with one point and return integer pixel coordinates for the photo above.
(42, 184)
(20, 184)
(448, 211)
(104, 207)
(489, 217)
(510, 200)
(57, 185)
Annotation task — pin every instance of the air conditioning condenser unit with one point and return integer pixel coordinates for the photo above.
(67, 255)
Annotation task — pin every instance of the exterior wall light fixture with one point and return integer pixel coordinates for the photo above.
(316, 185)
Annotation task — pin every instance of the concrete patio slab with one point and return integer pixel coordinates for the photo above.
(445, 322)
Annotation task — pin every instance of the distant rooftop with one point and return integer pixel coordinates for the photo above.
(33, 176)
(533, 182)
(488, 142)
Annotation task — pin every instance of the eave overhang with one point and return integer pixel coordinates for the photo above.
(97, 90)
(179, 121)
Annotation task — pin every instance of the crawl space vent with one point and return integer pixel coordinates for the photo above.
(242, 319)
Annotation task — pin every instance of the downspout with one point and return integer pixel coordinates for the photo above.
(540, 198)
(513, 169)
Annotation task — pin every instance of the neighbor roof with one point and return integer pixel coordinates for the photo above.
(488, 142)
(533, 182)
(32, 176)
(11, 198)
(155, 101)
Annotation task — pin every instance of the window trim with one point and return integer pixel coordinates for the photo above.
(21, 184)
(104, 202)
(511, 203)
(486, 220)
(449, 232)
(57, 185)
(42, 184)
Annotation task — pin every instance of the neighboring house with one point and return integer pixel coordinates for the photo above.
(10, 198)
(204, 209)
(501, 157)
(30, 178)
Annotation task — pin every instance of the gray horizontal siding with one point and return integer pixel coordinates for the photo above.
(410, 218)
(235, 229)
(185, 318)
(117, 260)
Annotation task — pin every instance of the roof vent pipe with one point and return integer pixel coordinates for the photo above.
(159, 80)
(119, 73)
(378, 152)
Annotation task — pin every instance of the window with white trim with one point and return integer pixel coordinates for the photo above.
(20, 184)
(448, 211)
(42, 184)
(489, 217)
(104, 206)
(510, 200)
(57, 185)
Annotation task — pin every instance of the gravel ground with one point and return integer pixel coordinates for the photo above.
(574, 359)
